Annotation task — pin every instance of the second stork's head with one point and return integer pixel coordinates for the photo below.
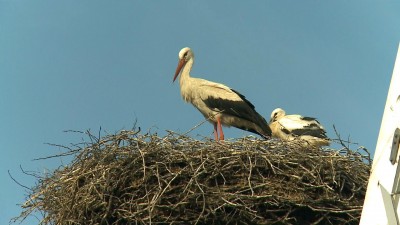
(185, 54)
(277, 114)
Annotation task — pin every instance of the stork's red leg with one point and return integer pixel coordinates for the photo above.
(221, 133)
(215, 132)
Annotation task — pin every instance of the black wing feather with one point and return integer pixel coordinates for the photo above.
(242, 109)
(244, 99)
(310, 131)
(306, 118)
(234, 108)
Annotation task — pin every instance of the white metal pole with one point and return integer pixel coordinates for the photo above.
(381, 201)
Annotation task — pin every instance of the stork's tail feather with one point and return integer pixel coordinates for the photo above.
(262, 129)
(266, 130)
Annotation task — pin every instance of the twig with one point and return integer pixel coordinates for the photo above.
(9, 174)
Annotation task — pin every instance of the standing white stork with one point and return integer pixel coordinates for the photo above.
(290, 127)
(218, 103)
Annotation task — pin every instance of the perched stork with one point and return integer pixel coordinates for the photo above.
(290, 127)
(218, 103)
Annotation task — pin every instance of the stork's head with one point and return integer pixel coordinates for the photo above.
(185, 54)
(277, 114)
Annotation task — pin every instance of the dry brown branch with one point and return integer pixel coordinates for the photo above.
(133, 178)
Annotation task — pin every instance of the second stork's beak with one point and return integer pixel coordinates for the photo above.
(273, 119)
(181, 63)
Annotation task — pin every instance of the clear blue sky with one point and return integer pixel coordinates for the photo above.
(84, 64)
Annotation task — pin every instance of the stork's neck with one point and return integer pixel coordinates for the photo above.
(185, 75)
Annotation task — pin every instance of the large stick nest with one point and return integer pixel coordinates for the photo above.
(133, 178)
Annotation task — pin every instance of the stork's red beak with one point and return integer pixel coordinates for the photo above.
(181, 63)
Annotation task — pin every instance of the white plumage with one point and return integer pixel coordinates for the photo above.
(218, 103)
(290, 127)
